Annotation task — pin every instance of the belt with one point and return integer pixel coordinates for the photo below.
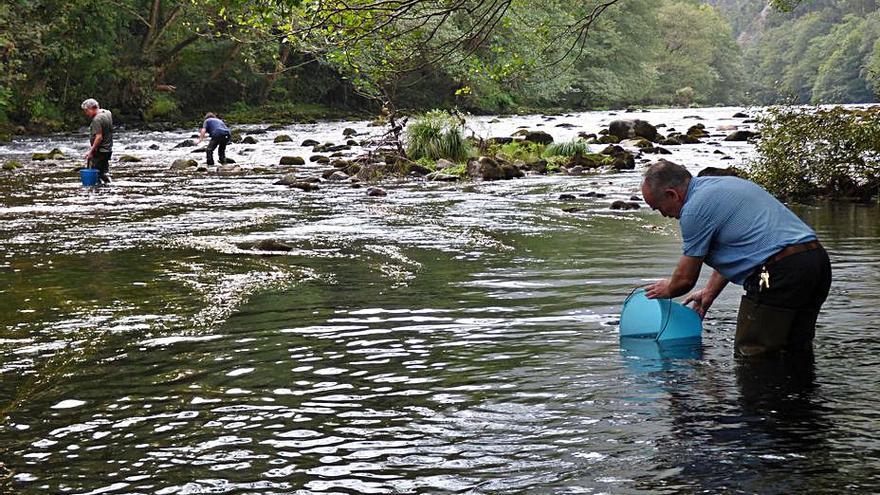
(793, 249)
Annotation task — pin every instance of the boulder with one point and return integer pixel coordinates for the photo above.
(612, 150)
(624, 162)
(697, 131)
(348, 131)
(637, 143)
(511, 171)
(287, 180)
(721, 172)
(248, 140)
(629, 129)
(309, 142)
(539, 137)
(304, 186)
(129, 159)
(338, 176)
(55, 154)
(376, 192)
(657, 150)
(740, 115)
(291, 160)
(741, 135)
(624, 205)
(319, 159)
(283, 138)
(236, 137)
(188, 143)
(229, 169)
(484, 168)
(444, 164)
(271, 245)
(181, 164)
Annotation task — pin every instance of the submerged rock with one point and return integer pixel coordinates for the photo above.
(188, 143)
(309, 142)
(271, 245)
(567, 197)
(740, 115)
(153, 146)
(624, 205)
(287, 180)
(348, 131)
(249, 140)
(55, 154)
(376, 192)
(304, 186)
(129, 159)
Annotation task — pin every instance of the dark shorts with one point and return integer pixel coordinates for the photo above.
(782, 318)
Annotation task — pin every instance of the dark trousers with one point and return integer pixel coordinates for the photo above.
(101, 162)
(782, 318)
(220, 143)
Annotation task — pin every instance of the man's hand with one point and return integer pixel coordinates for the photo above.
(702, 300)
(658, 290)
(90, 154)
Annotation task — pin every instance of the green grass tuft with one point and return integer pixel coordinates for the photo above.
(436, 135)
(567, 148)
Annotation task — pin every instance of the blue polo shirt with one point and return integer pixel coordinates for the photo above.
(215, 127)
(735, 225)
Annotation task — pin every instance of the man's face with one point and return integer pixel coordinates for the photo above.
(90, 112)
(668, 203)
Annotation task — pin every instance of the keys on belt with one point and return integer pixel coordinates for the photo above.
(764, 279)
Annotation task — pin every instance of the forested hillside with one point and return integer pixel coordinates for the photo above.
(165, 59)
(815, 51)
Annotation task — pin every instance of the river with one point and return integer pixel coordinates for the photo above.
(446, 338)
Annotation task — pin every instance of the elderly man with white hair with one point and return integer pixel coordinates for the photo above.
(100, 138)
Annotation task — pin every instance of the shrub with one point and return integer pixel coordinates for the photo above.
(163, 107)
(435, 135)
(567, 148)
(832, 152)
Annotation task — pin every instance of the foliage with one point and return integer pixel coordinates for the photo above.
(526, 151)
(437, 134)
(828, 152)
(567, 148)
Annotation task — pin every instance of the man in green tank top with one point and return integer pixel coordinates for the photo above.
(100, 138)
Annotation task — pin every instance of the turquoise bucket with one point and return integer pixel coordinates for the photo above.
(88, 176)
(658, 319)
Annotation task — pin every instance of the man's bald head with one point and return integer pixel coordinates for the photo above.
(665, 187)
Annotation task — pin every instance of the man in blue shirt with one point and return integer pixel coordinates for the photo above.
(220, 137)
(751, 239)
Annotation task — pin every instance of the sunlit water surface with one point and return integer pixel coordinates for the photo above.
(446, 338)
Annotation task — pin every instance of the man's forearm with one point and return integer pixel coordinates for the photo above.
(96, 144)
(716, 283)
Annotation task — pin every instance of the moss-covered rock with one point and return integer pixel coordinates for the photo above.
(182, 164)
(129, 159)
(283, 138)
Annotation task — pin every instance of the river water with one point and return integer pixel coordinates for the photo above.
(446, 338)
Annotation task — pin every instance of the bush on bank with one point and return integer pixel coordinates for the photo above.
(822, 152)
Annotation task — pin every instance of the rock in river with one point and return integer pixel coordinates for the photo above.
(292, 160)
(249, 140)
(309, 143)
(539, 137)
(741, 135)
(624, 205)
(188, 143)
(629, 129)
(283, 138)
(376, 192)
(182, 164)
(271, 245)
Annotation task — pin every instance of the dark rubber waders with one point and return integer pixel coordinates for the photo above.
(762, 329)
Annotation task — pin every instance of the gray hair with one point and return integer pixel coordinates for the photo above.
(90, 103)
(664, 175)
